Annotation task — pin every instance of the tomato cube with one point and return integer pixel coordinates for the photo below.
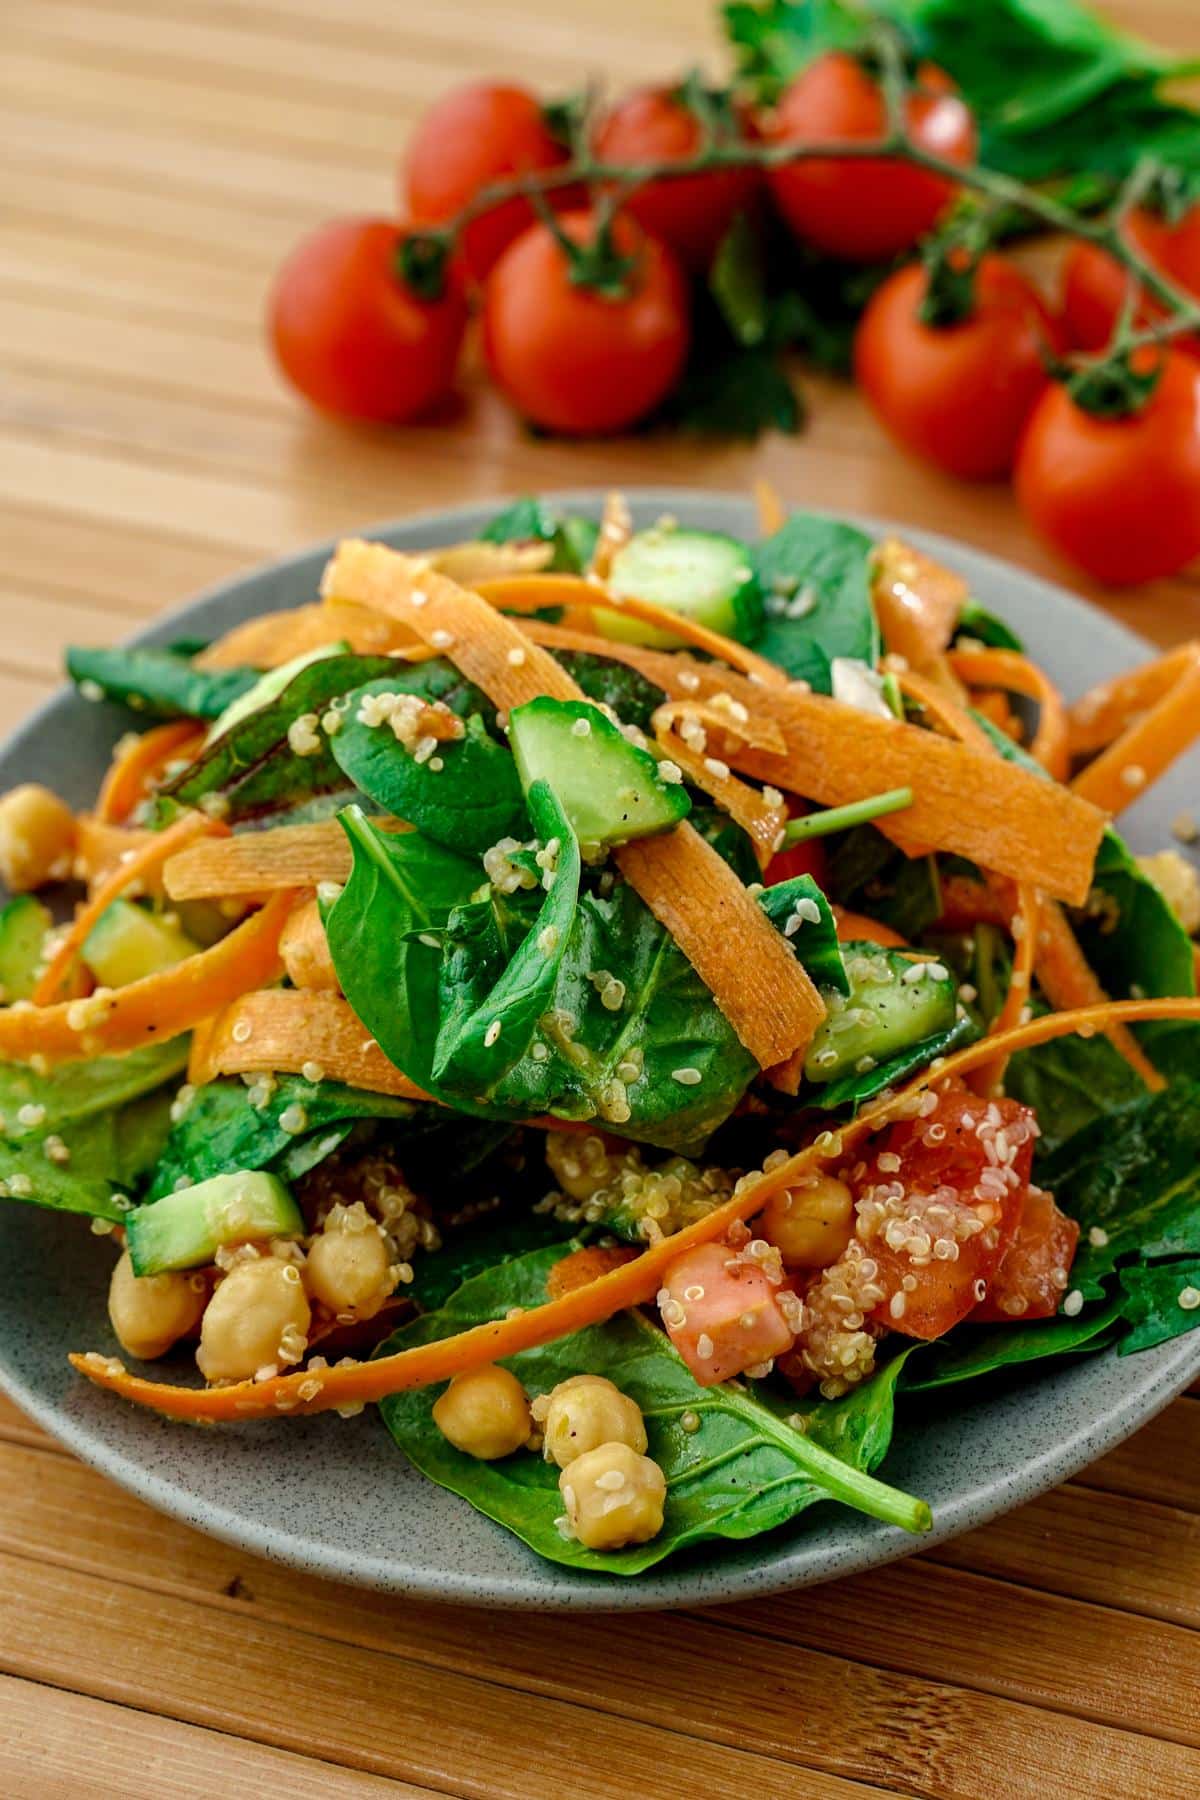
(1036, 1269)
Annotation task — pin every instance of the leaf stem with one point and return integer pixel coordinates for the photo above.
(841, 818)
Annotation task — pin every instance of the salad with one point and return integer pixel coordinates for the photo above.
(635, 1005)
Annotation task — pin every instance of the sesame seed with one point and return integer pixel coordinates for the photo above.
(1189, 1298)
(687, 1077)
(1133, 776)
(441, 640)
(1097, 1237)
(516, 656)
(242, 1031)
(31, 1114)
(491, 1034)
(312, 1072)
(581, 728)
(717, 769)
(1073, 1304)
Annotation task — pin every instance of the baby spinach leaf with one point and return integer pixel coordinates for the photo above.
(27, 1174)
(868, 874)
(1129, 932)
(975, 621)
(82, 1090)
(485, 1244)
(816, 578)
(744, 1470)
(159, 683)
(1069, 1083)
(816, 940)
(974, 1350)
(631, 696)
(531, 520)
(1161, 1301)
(469, 800)
(731, 843)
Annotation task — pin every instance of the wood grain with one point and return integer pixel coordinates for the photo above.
(157, 157)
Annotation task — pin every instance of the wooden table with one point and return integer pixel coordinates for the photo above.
(157, 158)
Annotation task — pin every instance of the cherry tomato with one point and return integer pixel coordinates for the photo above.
(867, 208)
(958, 394)
(943, 1197)
(1120, 497)
(805, 858)
(351, 336)
(1036, 1270)
(692, 213)
(722, 1314)
(1095, 284)
(472, 136)
(574, 359)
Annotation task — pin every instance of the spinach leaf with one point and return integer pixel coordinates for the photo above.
(83, 1090)
(868, 874)
(975, 621)
(1133, 1183)
(1161, 1301)
(816, 941)
(1129, 932)
(26, 1173)
(975, 1350)
(252, 764)
(159, 683)
(469, 800)
(743, 1471)
(1069, 1083)
(530, 519)
(816, 577)
(731, 843)
(733, 390)
(632, 697)
(486, 1243)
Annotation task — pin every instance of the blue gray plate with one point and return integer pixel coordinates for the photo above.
(334, 1497)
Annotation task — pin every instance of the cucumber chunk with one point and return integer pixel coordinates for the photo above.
(128, 943)
(185, 1230)
(24, 923)
(893, 1004)
(699, 574)
(609, 789)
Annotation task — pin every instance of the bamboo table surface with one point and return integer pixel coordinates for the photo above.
(156, 159)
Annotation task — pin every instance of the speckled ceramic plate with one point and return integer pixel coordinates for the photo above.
(334, 1497)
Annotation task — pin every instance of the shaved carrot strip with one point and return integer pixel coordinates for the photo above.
(616, 529)
(944, 709)
(477, 559)
(258, 862)
(273, 639)
(853, 926)
(772, 515)
(305, 951)
(155, 1009)
(760, 816)
(747, 966)
(285, 1031)
(1108, 709)
(917, 602)
(146, 860)
(134, 768)
(1018, 675)
(100, 847)
(1147, 747)
(634, 1284)
(534, 592)
(1025, 921)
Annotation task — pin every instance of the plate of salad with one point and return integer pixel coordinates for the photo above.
(613, 1050)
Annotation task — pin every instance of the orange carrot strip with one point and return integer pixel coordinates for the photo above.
(1024, 925)
(750, 970)
(258, 862)
(917, 602)
(852, 926)
(760, 817)
(1147, 747)
(772, 515)
(1108, 709)
(156, 1008)
(134, 768)
(944, 709)
(100, 847)
(616, 529)
(144, 861)
(283, 1031)
(276, 638)
(532, 593)
(1009, 670)
(305, 951)
(634, 1284)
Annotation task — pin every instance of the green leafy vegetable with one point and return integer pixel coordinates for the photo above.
(816, 940)
(1161, 1301)
(467, 801)
(851, 1090)
(531, 520)
(26, 1173)
(1071, 1082)
(868, 874)
(974, 621)
(975, 1350)
(816, 576)
(743, 1471)
(1129, 932)
(631, 696)
(160, 683)
(83, 1090)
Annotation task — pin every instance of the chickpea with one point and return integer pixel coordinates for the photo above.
(586, 1411)
(149, 1313)
(37, 837)
(613, 1497)
(349, 1267)
(810, 1224)
(484, 1413)
(258, 1318)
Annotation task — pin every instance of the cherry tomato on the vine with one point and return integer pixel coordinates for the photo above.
(1095, 284)
(957, 394)
(576, 359)
(865, 208)
(473, 136)
(351, 336)
(691, 213)
(1119, 496)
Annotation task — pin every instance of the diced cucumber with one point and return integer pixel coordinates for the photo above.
(128, 942)
(268, 687)
(609, 789)
(699, 574)
(894, 1002)
(185, 1230)
(24, 923)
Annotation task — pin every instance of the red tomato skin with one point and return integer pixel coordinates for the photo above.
(1119, 497)
(944, 1174)
(868, 208)
(731, 1303)
(474, 135)
(1035, 1271)
(571, 359)
(351, 337)
(1094, 283)
(691, 213)
(802, 859)
(957, 395)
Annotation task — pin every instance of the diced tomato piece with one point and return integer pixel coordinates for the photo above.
(1034, 1274)
(722, 1313)
(939, 1205)
(806, 858)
